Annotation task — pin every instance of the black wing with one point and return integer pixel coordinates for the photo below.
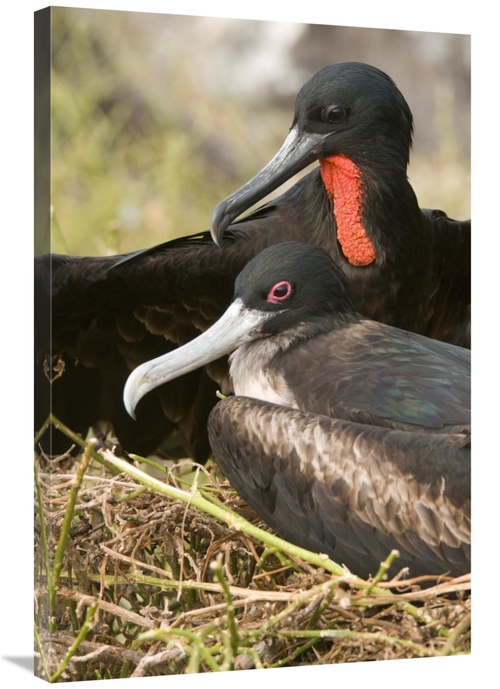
(351, 491)
(449, 316)
(110, 314)
(98, 318)
(376, 374)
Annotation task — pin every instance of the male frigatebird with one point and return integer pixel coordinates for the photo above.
(348, 436)
(407, 267)
(404, 269)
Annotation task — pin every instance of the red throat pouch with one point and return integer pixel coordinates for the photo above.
(342, 180)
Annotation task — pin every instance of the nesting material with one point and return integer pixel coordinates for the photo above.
(142, 584)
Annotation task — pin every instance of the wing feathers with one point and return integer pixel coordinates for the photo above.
(347, 487)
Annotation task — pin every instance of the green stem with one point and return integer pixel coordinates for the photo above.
(238, 523)
(206, 494)
(298, 651)
(186, 584)
(254, 654)
(43, 529)
(282, 558)
(149, 462)
(360, 636)
(194, 660)
(233, 631)
(42, 654)
(455, 635)
(42, 430)
(71, 606)
(196, 640)
(319, 589)
(76, 439)
(86, 627)
(232, 519)
(323, 605)
(124, 497)
(382, 572)
(53, 579)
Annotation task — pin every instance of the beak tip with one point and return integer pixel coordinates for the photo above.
(131, 392)
(214, 235)
(130, 407)
(221, 220)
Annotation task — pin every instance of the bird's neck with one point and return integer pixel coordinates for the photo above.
(360, 224)
(343, 184)
(256, 368)
(251, 374)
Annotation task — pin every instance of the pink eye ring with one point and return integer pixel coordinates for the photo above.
(281, 291)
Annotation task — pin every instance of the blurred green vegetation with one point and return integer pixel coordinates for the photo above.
(142, 151)
(139, 154)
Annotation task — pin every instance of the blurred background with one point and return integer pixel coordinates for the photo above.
(156, 118)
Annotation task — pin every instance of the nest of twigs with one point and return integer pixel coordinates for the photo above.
(133, 582)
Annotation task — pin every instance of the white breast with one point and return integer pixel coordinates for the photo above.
(248, 370)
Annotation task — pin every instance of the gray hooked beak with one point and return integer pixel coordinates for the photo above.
(298, 150)
(235, 327)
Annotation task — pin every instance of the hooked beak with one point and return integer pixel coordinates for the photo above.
(298, 150)
(235, 327)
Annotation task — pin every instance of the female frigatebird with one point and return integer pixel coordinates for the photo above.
(348, 436)
(406, 267)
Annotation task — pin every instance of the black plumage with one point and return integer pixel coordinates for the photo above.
(359, 439)
(407, 266)
(110, 314)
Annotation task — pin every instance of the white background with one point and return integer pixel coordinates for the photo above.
(16, 330)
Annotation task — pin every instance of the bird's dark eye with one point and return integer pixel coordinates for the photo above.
(333, 114)
(281, 291)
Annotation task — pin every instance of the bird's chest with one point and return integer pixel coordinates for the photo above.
(252, 375)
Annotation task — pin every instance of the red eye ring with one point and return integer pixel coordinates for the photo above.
(281, 291)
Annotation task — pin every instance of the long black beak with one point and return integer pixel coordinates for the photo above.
(299, 150)
(235, 327)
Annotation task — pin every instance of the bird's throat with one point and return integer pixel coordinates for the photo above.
(342, 180)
